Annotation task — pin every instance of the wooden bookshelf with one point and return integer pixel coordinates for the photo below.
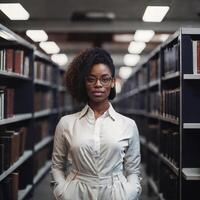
(38, 89)
(42, 172)
(168, 72)
(22, 159)
(23, 193)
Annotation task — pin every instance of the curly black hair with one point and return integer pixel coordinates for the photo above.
(79, 68)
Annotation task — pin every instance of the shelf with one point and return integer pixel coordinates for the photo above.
(127, 95)
(43, 143)
(133, 112)
(191, 174)
(17, 38)
(54, 111)
(142, 140)
(191, 125)
(22, 159)
(191, 76)
(153, 83)
(153, 185)
(190, 31)
(14, 75)
(171, 76)
(16, 118)
(42, 172)
(62, 89)
(153, 148)
(42, 113)
(173, 121)
(143, 87)
(42, 83)
(155, 188)
(23, 193)
(170, 164)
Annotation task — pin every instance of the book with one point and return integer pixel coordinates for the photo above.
(196, 56)
(18, 61)
(1, 158)
(9, 60)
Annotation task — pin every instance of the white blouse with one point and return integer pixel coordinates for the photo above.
(96, 158)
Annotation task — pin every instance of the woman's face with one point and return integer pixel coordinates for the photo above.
(99, 82)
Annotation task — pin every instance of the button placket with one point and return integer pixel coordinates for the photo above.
(97, 137)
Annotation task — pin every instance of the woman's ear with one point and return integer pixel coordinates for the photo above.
(113, 83)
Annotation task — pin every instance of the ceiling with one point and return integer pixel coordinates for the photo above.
(64, 23)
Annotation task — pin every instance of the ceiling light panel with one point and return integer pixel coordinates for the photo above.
(155, 13)
(37, 35)
(14, 11)
(143, 35)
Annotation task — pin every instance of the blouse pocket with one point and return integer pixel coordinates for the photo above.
(61, 189)
(132, 192)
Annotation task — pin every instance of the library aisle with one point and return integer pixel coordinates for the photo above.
(157, 85)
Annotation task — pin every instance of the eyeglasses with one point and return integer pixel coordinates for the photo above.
(104, 80)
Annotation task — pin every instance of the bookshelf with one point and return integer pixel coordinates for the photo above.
(32, 99)
(162, 96)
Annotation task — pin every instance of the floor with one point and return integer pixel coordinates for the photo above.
(43, 190)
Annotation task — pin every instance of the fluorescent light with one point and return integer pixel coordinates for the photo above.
(123, 37)
(6, 35)
(125, 72)
(37, 35)
(14, 11)
(163, 37)
(118, 85)
(136, 47)
(143, 35)
(155, 13)
(131, 60)
(49, 47)
(60, 59)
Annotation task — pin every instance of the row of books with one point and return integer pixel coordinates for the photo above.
(196, 56)
(12, 146)
(42, 128)
(169, 184)
(14, 60)
(40, 159)
(6, 102)
(43, 71)
(171, 59)
(9, 187)
(43, 100)
(170, 145)
(153, 134)
(138, 102)
(61, 80)
(170, 103)
(152, 167)
(143, 76)
(154, 103)
(154, 69)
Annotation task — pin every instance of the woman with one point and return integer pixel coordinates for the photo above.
(96, 152)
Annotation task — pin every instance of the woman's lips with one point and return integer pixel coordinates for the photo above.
(97, 93)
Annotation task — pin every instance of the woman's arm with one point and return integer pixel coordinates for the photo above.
(59, 159)
(132, 163)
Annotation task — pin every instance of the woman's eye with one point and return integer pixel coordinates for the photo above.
(105, 79)
(91, 79)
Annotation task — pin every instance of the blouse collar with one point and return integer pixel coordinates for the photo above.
(90, 113)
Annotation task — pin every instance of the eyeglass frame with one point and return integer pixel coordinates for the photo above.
(100, 80)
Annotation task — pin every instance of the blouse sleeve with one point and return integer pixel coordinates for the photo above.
(59, 160)
(132, 163)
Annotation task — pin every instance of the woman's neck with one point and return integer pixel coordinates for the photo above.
(99, 108)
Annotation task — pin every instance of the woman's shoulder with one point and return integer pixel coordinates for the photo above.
(69, 117)
(126, 120)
